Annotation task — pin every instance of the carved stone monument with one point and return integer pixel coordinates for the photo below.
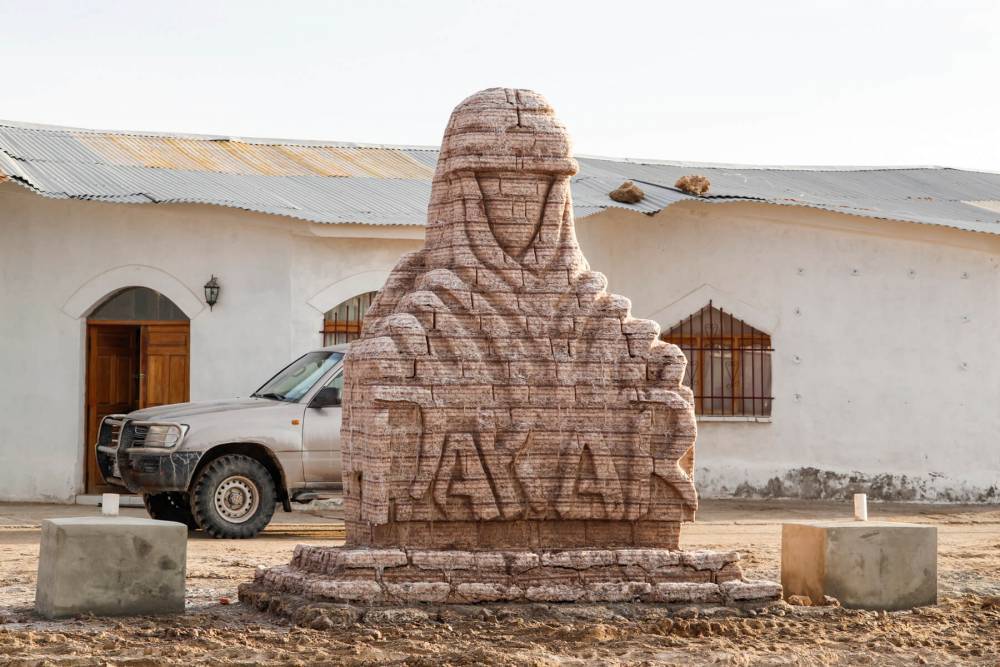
(510, 431)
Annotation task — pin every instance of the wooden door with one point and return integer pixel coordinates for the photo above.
(130, 366)
(112, 383)
(165, 363)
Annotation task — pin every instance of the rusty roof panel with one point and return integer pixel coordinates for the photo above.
(238, 157)
(316, 162)
(378, 201)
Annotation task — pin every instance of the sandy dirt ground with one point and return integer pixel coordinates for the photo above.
(964, 628)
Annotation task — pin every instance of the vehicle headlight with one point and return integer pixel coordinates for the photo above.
(164, 435)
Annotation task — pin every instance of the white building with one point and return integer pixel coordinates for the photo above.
(841, 323)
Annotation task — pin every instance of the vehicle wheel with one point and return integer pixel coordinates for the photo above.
(170, 506)
(233, 497)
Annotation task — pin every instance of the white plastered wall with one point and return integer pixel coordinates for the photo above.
(57, 255)
(886, 372)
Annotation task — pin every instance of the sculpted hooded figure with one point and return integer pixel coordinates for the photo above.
(499, 397)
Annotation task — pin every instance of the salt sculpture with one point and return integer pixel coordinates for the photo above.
(510, 431)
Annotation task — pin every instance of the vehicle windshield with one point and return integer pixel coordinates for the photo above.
(296, 379)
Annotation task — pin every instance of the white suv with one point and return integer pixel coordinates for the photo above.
(223, 466)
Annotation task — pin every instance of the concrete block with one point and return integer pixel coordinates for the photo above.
(111, 566)
(864, 564)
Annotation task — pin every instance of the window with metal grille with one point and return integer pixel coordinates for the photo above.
(729, 363)
(342, 324)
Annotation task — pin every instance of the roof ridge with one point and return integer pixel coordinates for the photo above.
(766, 167)
(259, 141)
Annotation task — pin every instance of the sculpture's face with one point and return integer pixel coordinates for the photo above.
(515, 204)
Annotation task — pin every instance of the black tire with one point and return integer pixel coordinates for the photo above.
(233, 513)
(170, 506)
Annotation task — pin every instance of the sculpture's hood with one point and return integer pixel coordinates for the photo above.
(500, 200)
(501, 129)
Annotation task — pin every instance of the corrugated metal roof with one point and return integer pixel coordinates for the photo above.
(929, 195)
(222, 155)
(334, 182)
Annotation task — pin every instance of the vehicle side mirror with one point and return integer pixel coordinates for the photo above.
(327, 397)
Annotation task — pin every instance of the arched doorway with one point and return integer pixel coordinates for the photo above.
(138, 354)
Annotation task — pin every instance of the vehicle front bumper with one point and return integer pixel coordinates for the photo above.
(146, 469)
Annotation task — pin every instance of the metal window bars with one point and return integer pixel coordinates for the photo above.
(729, 363)
(342, 324)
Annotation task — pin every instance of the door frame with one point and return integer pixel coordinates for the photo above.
(95, 485)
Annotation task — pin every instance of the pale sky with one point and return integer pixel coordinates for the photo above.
(796, 82)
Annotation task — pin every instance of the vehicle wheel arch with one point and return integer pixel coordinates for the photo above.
(257, 452)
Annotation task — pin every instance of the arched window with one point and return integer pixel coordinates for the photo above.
(342, 324)
(138, 303)
(729, 363)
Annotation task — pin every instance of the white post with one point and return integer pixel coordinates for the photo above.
(109, 504)
(860, 506)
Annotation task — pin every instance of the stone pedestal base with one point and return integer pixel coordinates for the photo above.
(864, 564)
(407, 576)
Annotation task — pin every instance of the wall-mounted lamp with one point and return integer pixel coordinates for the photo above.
(212, 292)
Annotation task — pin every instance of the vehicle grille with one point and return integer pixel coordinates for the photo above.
(111, 430)
(133, 435)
